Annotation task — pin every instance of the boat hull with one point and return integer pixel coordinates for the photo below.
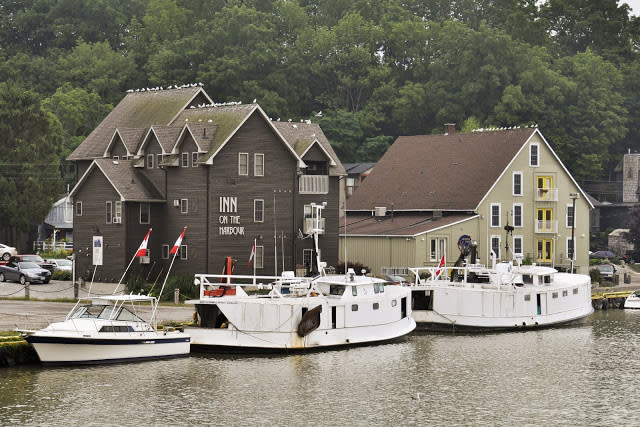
(632, 301)
(68, 349)
(209, 339)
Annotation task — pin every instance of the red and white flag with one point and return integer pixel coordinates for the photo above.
(176, 245)
(253, 253)
(142, 250)
(439, 270)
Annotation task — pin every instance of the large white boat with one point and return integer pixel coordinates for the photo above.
(507, 296)
(298, 313)
(633, 300)
(102, 329)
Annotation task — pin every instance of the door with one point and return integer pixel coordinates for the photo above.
(545, 250)
(545, 185)
(545, 220)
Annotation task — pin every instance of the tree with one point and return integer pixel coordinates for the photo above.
(29, 147)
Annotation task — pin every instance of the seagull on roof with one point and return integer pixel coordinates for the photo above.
(254, 100)
(319, 114)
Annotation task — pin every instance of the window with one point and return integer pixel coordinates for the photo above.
(517, 245)
(517, 214)
(545, 250)
(184, 206)
(194, 160)
(376, 306)
(517, 183)
(259, 256)
(533, 155)
(185, 160)
(307, 258)
(554, 295)
(565, 293)
(545, 220)
(437, 249)
(150, 161)
(145, 213)
(78, 208)
(159, 160)
(116, 157)
(570, 216)
(495, 214)
(308, 211)
(258, 210)
(575, 291)
(183, 252)
(354, 307)
(527, 297)
(108, 212)
(258, 164)
(243, 164)
(117, 209)
(495, 245)
(570, 248)
(354, 291)
(165, 252)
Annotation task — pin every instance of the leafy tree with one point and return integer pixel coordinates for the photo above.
(29, 147)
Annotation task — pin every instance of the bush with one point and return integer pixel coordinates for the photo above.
(57, 254)
(595, 275)
(61, 275)
(188, 290)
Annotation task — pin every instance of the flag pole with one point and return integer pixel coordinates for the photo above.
(175, 254)
(254, 261)
(131, 262)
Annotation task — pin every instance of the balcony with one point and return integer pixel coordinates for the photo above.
(546, 194)
(550, 226)
(313, 184)
(310, 224)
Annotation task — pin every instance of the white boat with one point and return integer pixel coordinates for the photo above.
(102, 329)
(506, 296)
(633, 300)
(298, 313)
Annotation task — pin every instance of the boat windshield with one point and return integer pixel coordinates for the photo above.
(337, 289)
(105, 312)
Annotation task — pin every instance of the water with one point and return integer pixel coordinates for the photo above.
(585, 375)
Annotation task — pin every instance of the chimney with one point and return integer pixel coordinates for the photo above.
(449, 128)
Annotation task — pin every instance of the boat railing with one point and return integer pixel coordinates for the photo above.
(225, 285)
(459, 276)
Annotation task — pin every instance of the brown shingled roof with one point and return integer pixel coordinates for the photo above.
(136, 110)
(130, 138)
(397, 225)
(303, 135)
(447, 172)
(125, 179)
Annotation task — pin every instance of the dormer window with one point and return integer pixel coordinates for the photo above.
(534, 155)
(185, 160)
(150, 161)
(316, 168)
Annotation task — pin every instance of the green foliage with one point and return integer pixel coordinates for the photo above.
(55, 254)
(61, 275)
(595, 275)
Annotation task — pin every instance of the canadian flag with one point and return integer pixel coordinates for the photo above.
(253, 253)
(439, 270)
(176, 246)
(142, 250)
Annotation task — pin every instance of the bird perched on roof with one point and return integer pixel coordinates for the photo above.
(254, 100)
(319, 114)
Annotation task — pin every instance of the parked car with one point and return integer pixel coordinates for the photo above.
(6, 252)
(602, 254)
(24, 271)
(61, 264)
(396, 280)
(606, 271)
(33, 258)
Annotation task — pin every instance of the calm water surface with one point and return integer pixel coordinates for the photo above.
(585, 375)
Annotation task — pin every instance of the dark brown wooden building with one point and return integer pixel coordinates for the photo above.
(169, 159)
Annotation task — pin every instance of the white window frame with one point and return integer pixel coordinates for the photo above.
(117, 208)
(158, 160)
(304, 255)
(165, 251)
(256, 201)
(513, 184)
(570, 206)
(116, 157)
(78, 208)
(108, 212)
(184, 159)
(257, 163)
(518, 205)
(194, 159)
(259, 257)
(537, 149)
(521, 239)
(184, 252)
(148, 205)
(437, 248)
(495, 205)
(243, 172)
(184, 206)
(150, 161)
(495, 237)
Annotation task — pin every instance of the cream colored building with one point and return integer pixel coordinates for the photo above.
(504, 189)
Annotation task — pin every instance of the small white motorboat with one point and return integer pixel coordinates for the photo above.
(103, 329)
(633, 300)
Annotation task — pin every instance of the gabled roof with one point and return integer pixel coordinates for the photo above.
(439, 172)
(130, 137)
(358, 168)
(131, 185)
(137, 110)
(228, 118)
(165, 135)
(408, 225)
(202, 134)
(302, 136)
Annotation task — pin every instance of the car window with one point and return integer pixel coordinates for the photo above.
(28, 264)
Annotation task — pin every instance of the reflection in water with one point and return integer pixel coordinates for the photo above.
(571, 375)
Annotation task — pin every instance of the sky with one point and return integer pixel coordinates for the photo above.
(634, 4)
